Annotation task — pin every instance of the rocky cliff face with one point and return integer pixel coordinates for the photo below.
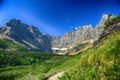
(33, 39)
(100, 25)
(71, 38)
(84, 33)
(27, 35)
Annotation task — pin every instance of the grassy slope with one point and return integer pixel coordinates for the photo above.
(6, 44)
(102, 63)
(28, 65)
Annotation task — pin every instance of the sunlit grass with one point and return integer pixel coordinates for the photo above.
(102, 63)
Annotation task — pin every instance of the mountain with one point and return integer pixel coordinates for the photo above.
(26, 35)
(34, 40)
(83, 34)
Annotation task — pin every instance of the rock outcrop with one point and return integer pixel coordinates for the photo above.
(108, 31)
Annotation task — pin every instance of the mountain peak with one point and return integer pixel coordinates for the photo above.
(14, 21)
(29, 36)
(105, 15)
(104, 18)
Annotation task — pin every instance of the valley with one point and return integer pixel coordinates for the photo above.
(22, 58)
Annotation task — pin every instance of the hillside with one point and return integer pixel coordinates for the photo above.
(9, 45)
(102, 62)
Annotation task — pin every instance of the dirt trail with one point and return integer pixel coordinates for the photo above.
(56, 76)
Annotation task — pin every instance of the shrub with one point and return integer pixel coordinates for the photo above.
(111, 21)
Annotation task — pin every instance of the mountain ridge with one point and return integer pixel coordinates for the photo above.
(33, 39)
(81, 34)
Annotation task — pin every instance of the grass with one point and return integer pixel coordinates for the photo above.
(19, 64)
(29, 65)
(102, 63)
(6, 44)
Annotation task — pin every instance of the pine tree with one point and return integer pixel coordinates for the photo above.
(110, 14)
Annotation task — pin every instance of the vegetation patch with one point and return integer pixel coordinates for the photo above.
(102, 63)
(111, 21)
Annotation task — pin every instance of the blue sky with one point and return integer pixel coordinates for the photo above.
(56, 17)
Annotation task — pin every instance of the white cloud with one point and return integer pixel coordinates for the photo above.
(76, 28)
